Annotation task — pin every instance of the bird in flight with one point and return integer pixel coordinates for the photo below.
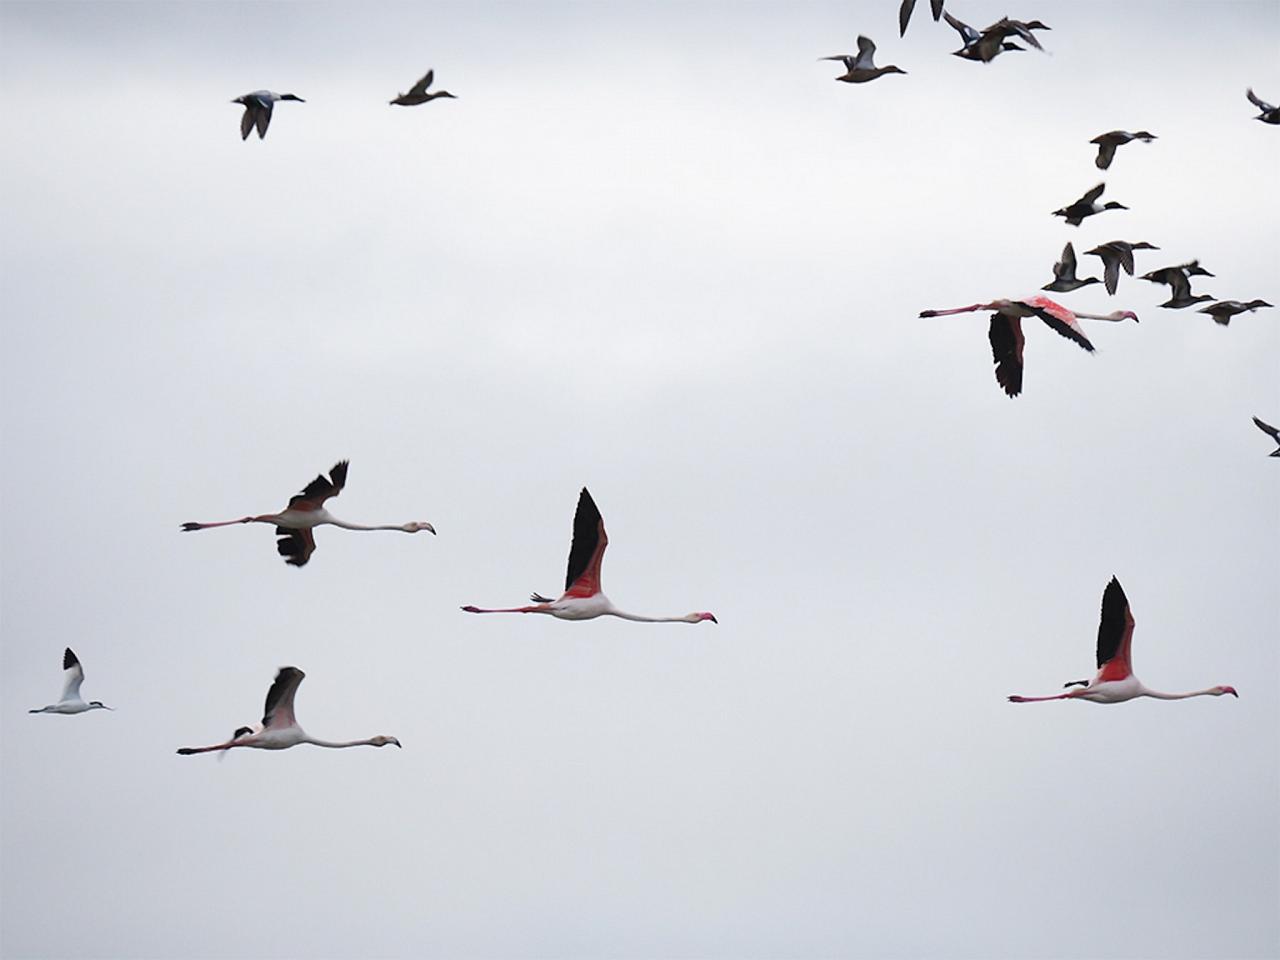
(418, 93)
(1064, 274)
(1269, 114)
(70, 702)
(279, 729)
(1107, 143)
(257, 110)
(1114, 255)
(1115, 681)
(1087, 206)
(1006, 336)
(1224, 310)
(583, 598)
(306, 511)
(862, 68)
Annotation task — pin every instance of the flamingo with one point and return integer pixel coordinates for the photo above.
(418, 93)
(1115, 681)
(71, 703)
(1006, 331)
(257, 110)
(1107, 143)
(1064, 273)
(279, 729)
(1224, 310)
(1269, 114)
(908, 7)
(1087, 206)
(306, 511)
(582, 598)
(1270, 431)
(862, 68)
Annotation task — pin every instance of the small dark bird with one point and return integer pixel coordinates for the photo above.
(984, 46)
(1269, 113)
(1272, 432)
(905, 11)
(1064, 273)
(1114, 255)
(1087, 206)
(418, 93)
(1178, 279)
(862, 68)
(1107, 143)
(257, 110)
(1224, 310)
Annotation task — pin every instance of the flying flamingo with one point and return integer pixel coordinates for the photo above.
(279, 729)
(1006, 331)
(582, 598)
(305, 511)
(1115, 681)
(71, 703)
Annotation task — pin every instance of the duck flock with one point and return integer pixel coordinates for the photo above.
(583, 598)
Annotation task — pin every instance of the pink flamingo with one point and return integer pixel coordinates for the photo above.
(582, 598)
(1006, 330)
(1115, 681)
(279, 729)
(306, 511)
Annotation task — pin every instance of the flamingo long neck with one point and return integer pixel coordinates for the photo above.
(1157, 695)
(1114, 318)
(622, 614)
(338, 745)
(355, 526)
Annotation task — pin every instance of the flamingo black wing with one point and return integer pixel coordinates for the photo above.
(296, 546)
(582, 578)
(321, 488)
(1115, 633)
(278, 710)
(1006, 351)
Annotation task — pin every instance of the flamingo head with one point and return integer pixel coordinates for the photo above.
(416, 526)
(700, 616)
(1125, 315)
(1219, 691)
(381, 741)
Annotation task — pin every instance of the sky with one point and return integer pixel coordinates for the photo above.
(655, 250)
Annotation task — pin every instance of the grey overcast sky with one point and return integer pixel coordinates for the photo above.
(654, 249)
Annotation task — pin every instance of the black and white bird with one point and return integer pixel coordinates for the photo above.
(1088, 206)
(984, 46)
(1178, 279)
(862, 68)
(418, 93)
(1269, 114)
(1114, 255)
(1272, 432)
(279, 729)
(257, 110)
(1224, 310)
(1107, 143)
(71, 701)
(1064, 274)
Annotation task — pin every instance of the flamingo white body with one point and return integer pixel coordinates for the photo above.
(1115, 681)
(71, 702)
(305, 512)
(1006, 336)
(258, 106)
(279, 729)
(582, 598)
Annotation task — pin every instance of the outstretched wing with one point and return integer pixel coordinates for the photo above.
(296, 546)
(278, 712)
(246, 122)
(315, 493)
(1065, 268)
(587, 551)
(1092, 195)
(420, 88)
(73, 677)
(262, 116)
(1060, 320)
(904, 16)
(866, 53)
(1256, 101)
(967, 34)
(1006, 350)
(1264, 427)
(1106, 152)
(1115, 634)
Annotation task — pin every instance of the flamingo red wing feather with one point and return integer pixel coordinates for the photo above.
(1059, 319)
(1115, 634)
(582, 578)
(1006, 350)
(278, 711)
